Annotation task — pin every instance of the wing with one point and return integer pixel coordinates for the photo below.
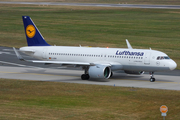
(62, 62)
(53, 62)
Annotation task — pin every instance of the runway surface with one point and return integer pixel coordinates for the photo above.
(12, 68)
(98, 5)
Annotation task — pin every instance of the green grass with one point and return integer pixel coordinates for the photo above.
(166, 2)
(55, 101)
(95, 26)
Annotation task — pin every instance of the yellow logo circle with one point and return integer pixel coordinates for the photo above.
(30, 31)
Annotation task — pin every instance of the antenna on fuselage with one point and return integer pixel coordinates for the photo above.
(128, 44)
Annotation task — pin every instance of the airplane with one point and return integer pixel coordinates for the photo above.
(97, 63)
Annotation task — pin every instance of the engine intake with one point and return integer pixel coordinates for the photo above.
(99, 71)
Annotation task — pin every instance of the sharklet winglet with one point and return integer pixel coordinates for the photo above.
(128, 44)
(18, 55)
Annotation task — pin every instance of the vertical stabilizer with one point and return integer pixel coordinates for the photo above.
(128, 44)
(33, 36)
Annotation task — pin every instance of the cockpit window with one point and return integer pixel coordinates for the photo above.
(166, 57)
(162, 57)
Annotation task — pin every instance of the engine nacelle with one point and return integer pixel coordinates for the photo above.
(134, 72)
(99, 71)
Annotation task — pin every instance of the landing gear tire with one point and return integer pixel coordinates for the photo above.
(85, 76)
(152, 79)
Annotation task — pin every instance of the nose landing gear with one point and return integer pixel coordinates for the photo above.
(152, 79)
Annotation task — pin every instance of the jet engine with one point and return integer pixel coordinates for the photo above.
(134, 72)
(99, 71)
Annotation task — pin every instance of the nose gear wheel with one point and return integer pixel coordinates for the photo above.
(152, 79)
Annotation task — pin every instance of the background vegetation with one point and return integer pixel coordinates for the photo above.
(95, 26)
(167, 2)
(65, 101)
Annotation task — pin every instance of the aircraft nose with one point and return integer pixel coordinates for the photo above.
(172, 65)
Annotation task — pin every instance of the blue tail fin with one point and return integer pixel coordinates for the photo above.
(33, 36)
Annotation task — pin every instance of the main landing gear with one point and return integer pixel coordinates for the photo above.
(85, 76)
(152, 79)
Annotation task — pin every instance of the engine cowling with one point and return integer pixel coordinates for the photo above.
(134, 72)
(99, 71)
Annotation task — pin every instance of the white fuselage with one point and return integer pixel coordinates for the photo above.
(118, 58)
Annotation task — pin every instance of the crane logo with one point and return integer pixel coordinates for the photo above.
(30, 31)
